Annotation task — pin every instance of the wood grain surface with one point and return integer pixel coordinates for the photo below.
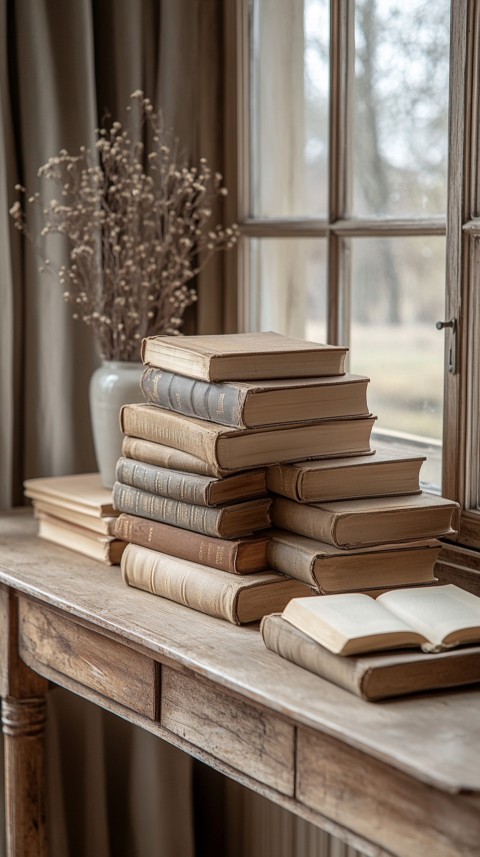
(400, 732)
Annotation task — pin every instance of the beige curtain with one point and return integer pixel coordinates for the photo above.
(113, 790)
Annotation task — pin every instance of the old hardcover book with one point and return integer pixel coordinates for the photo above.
(226, 596)
(88, 542)
(243, 356)
(432, 618)
(102, 525)
(166, 456)
(249, 404)
(190, 487)
(240, 449)
(330, 569)
(385, 473)
(236, 519)
(82, 493)
(357, 523)
(373, 676)
(237, 556)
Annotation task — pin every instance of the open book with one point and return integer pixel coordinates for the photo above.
(432, 617)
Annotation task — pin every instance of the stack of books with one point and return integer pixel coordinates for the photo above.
(356, 524)
(76, 512)
(191, 483)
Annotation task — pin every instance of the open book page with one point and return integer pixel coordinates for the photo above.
(350, 622)
(445, 615)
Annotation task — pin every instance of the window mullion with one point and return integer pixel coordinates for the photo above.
(341, 69)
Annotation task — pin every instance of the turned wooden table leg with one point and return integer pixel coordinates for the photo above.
(24, 695)
(23, 722)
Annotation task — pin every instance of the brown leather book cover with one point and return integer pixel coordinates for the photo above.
(237, 556)
(373, 676)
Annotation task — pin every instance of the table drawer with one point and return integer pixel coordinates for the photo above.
(382, 803)
(49, 640)
(255, 742)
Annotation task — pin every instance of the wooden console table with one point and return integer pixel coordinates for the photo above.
(399, 778)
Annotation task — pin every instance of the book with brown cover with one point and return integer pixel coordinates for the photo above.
(241, 449)
(355, 523)
(243, 356)
(237, 556)
(227, 596)
(103, 548)
(82, 492)
(236, 519)
(249, 404)
(190, 487)
(161, 455)
(330, 569)
(373, 676)
(385, 473)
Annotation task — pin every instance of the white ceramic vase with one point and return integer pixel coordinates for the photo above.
(113, 384)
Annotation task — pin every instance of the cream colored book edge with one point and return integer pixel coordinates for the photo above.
(81, 492)
(432, 618)
(102, 525)
(102, 548)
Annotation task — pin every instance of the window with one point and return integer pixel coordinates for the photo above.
(358, 198)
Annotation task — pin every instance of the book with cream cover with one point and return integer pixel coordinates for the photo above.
(227, 596)
(376, 675)
(240, 449)
(96, 545)
(432, 618)
(82, 492)
(243, 356)
(248, 404)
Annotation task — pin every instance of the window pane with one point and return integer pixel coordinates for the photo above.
(397, 296)
(289, 100)
(400, 107)
(289, 286)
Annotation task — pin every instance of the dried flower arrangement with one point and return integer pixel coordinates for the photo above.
(137, 229)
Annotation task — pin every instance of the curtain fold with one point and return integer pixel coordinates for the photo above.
(113, 789)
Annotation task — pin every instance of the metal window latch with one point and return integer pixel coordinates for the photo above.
(452, 354)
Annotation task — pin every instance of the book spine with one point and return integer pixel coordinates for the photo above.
(166, 456)
(216, 553)
(218, 403)
(179, 581)
(160, 426)
(284, 480)
(188, 488)
(288, 642)
(199, 519)
(291, 561)
(303, 519)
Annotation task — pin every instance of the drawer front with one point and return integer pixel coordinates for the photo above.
(379, 802)
(250, 740)
(94, 661)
